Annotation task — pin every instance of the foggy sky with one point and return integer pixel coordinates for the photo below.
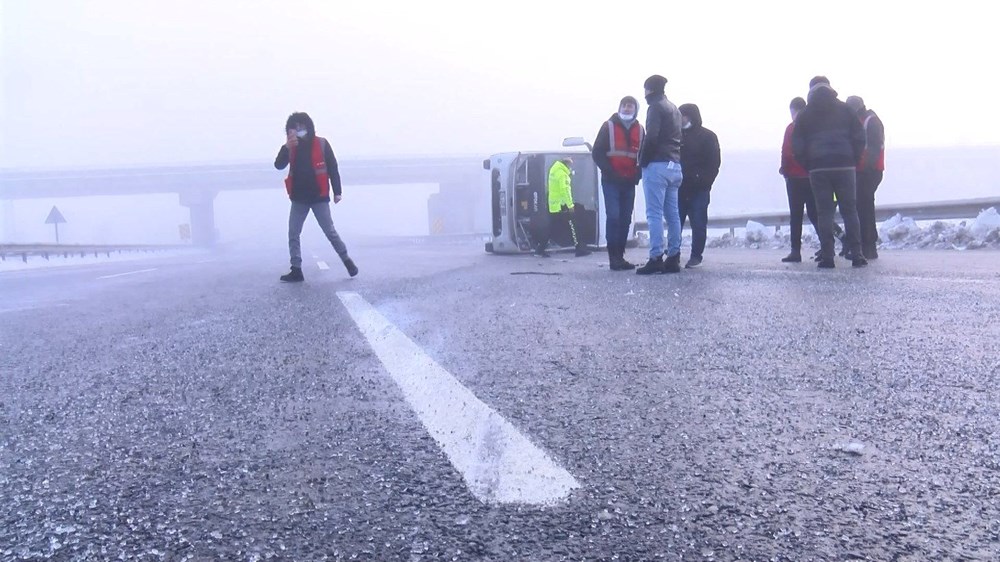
(116, 82)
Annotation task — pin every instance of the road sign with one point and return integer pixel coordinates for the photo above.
(55, 218)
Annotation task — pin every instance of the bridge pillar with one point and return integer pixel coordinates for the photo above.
(202, 207)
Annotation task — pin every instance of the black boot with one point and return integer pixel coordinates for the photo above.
(672, 264)
(293, 276)
(794, 257)
(622, 263)
(613, 263)
(352, 269)
(654, 265)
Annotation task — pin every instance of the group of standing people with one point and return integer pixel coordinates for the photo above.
(833, 156)
(676, 157)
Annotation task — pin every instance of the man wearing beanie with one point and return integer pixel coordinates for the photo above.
(616, 153)
(660, 158)
(828, 140)
(869, 173)
(700, 159)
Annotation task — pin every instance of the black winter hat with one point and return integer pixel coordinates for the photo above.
(655, 83)
(819, 80)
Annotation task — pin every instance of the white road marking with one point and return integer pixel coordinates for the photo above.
(498, 463)
(322, 265)
(129, 273)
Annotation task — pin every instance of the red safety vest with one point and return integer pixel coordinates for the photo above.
(319, 165)
(624, 150)
(880, 163)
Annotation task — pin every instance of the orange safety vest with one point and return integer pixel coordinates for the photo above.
(624, 150)
(319, 165)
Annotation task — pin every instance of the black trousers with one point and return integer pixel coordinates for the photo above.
(840, 183)
(868, 182)
(800, 195)
(553, 222)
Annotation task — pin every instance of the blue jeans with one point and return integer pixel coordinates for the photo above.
(660, 182)
(619, 200)
(694, 205)
(297, 217)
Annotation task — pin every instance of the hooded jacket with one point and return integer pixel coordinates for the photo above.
(307, 182)
(700, 153)
(616, 168)
(663, 132)
(827, 134)
(560, 189)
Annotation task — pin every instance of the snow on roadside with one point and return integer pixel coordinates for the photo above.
(897, 232)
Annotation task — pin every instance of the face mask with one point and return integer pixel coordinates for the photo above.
(301, 133)
(687, 125)
(626, 116)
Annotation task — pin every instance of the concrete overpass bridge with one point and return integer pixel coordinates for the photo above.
(462, 181)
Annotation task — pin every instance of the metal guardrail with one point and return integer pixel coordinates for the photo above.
(47, 251)
(935, 210)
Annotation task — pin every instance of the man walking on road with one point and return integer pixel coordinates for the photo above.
(616, 153)
(828, 141)
(660, 160)
(312, 173)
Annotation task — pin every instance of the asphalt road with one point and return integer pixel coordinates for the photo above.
(194, 408)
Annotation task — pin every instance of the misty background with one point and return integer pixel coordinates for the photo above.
(117, 84)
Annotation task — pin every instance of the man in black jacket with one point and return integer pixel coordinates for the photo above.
(660, 160)
(616, 153)
(828, 141)
(312, 173)
(700, 160)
